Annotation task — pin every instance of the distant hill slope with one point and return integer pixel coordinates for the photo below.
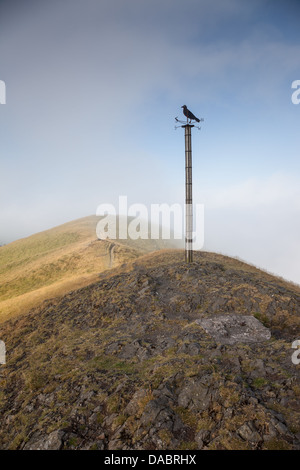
(157, 354)
(58, 260)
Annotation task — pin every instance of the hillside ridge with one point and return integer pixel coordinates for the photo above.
(130, 361)
(60, 259)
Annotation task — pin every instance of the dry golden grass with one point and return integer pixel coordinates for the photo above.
(22, 303)
(57, 261)
(51, 263)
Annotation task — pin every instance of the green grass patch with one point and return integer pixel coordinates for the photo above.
(259, 382)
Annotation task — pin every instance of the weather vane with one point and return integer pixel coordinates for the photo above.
(187, 125)
(189, 118)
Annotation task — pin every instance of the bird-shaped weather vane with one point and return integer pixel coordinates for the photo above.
(187, 125)
(189, 118)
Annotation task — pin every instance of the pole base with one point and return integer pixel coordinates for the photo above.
(189, 256)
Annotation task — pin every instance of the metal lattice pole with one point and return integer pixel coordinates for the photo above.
(188, 194)
(189, 233)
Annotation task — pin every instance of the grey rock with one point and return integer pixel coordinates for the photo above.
(93, 420)
(195, 394)
(54, 441)
(152, 410)
(281, 428)
(284, 401)
(113, 348)
(248, 432)
(259, 369)
(202, 438)
(133, 406)
(234, 328)
(116, 444)
(110, 419)
(193, 349)
(158, 415)
(135, 349)
(165, 390)
(253, 400)
(228, 413)
(270, 433)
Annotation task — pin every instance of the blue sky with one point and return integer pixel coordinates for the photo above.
(93, 87)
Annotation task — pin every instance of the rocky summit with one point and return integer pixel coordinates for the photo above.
(157, 354)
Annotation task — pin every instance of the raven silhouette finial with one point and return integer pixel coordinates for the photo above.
(190, 116)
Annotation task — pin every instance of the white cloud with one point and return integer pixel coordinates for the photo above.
(277, 190)
(257, 220)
